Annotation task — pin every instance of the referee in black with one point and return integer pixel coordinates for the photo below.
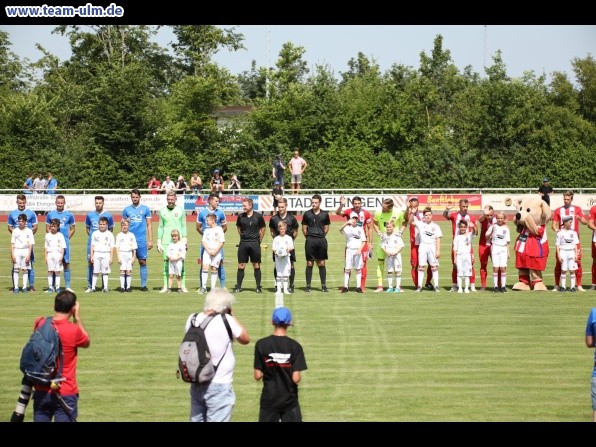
(315, 226)
(292, 223)
(251, 228)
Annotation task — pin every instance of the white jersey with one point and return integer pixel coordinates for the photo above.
(354, 237)
(102, 241)
(176, 250)
(462, 243)
(54, 243)
(429, 232)
(212, 237)
(283, 265)
(499, 235)
(126, 242)
(567, 239)
(392, 242)
(22, 238)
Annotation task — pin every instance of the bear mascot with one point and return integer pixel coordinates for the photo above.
(531, 245)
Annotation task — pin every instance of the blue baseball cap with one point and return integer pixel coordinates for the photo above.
(545, 179)
(282, 315)
(277, 182)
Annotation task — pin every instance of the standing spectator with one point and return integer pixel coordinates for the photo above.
(355, 243)
(31, 223)
(486, 220)
(387, 213)
(392, 244)
(577, 216)
(214, 401)
(234, 184)
(171, 217)
(590, 343)
(140, 225)
(277, 192)
(102, 253)
(278, 361)
(455, 218)
(567, 252)
(499, 236)
(52, 184)
(91, 225)
(545, 190)
(251, 228)
(315, 226)
(292, 230)
(462, 251)
(39, 184)
(201, 226)
(283, 246)
(176, 255)
(182, 185)
(413, 210)
(212, 253)
(216, 183)
(168, 185)
(592, 225)
(430, 247)
(67, 228)
(297, 166)
(278, 169)
(21, 247)
(28, 185)
(364, 221)
(196, 184)
(126, 248)
(73, 336)
(54, 245)
(153, 185)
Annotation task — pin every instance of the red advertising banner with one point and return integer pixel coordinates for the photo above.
(438, 202)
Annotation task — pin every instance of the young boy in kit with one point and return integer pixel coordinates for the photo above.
(499, 236)
(430, 247)
(282, 246)
(567, 253)
(462, 250)
(102, 253)
(54, 245)
(392, 244)
(126, 248)
(355, 242)
(21, 247)
(212, 242)
(176, 255)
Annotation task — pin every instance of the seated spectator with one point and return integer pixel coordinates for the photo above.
(168, 185)
(153, 185)
(234, 184)
(182, 186)
(39, 184)
(196, 184)
(217, 183)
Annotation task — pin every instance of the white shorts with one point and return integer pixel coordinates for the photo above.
(283, 266)
(568, 260)
(427, 255)
(175, 267)
(499, 255)
(353, 259)
(20, 255)
(463, 262)
(393, 263)
(126, 260)
(54, 261)
(212, 261)
(101, 262)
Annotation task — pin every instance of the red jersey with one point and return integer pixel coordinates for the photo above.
(414, 233)
(455, 218)
(364, 217)
(484, 228)
(574, 211)
(593, 218)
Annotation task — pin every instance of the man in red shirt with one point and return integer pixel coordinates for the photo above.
(413, 210)
(455, 218)
(578, 216)
(365, 221)
(485, 220)
(592, 225)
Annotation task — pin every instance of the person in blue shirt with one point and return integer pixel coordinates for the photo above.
(67, 228)
(590, 339)
(52, 185)
(140, 225)
(92, 224)
(28, 185)
(13, 218)
(220, 220)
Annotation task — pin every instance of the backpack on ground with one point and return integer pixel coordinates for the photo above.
(195, 364)
(42, 357)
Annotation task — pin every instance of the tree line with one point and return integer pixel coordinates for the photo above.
(122, 108)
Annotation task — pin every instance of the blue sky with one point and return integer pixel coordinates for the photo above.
(537, 48)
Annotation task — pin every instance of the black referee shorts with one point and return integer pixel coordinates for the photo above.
(315, 248)
(249, 251)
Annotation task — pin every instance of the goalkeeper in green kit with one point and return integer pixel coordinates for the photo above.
(171, 217)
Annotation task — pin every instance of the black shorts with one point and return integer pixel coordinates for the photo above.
(293, 415)
(249, 251)
(315, 248)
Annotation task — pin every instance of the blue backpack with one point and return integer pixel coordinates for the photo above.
(42, 357)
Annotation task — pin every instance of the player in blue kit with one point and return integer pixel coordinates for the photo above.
(140, 225)
(92, 224)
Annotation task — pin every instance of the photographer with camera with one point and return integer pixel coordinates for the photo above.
(214, 401)
(278, 170)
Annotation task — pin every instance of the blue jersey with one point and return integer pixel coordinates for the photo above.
(51, 188)
(591, 331)
(29, 183)
(138, 222)
(220, 217)
(66, 219)
(92, 222)
(14, 215)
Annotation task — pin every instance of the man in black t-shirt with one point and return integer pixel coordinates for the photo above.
(251, 228)
(278, 361)
(546, 190)
(315, 226)
(292, 223)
